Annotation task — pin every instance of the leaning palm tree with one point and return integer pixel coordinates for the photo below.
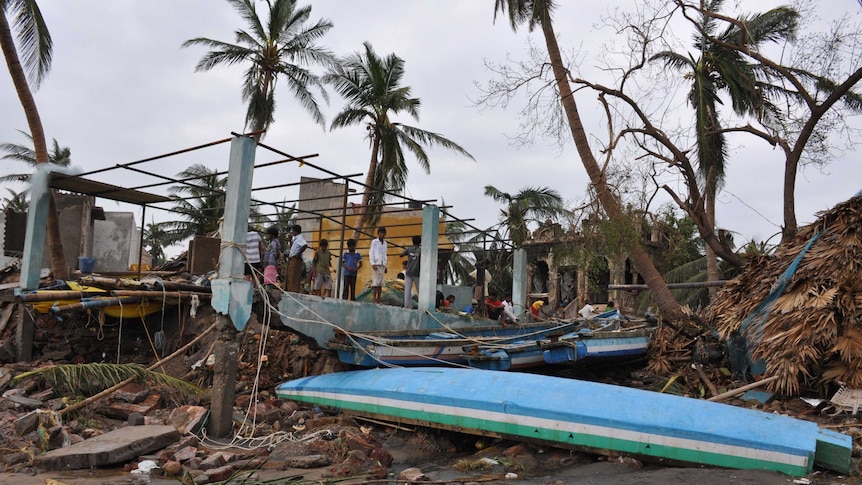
(284, 46)
(200, 200)
(717, 69)
(530, 204)
(538, 13)
(36, 46)
(371, 85)
(22, 153)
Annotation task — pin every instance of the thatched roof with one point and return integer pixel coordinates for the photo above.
(812, 333)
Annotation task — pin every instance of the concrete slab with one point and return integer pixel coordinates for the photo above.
(114, 447)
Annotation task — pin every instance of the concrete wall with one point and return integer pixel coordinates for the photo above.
(5, 260)
(114, 240)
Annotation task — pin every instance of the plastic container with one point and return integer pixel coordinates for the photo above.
(86, 265)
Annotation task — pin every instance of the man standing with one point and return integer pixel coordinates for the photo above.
(411, 273)
(295, 265)
(252, 254)
(377, 256)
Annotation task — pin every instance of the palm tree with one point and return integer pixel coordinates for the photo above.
(154, 241)
(22, 153)
(200, 200)
(16, 202)
(284, 46)
(718, 69)
(36, 47)
(539, 13)
(530, 204)
(371, 85)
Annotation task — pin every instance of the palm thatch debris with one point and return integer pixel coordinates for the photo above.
(811, 336)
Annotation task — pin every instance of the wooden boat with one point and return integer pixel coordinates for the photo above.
(432, 347)
(82, 297)
(582, 415)
(322, 321)
(589, 345)
(583, 345)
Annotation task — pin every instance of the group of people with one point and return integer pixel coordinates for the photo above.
(351, 263)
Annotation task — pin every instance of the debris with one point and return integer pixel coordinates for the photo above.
(145, 467)
(762, 397)
(118, 446)
(734, 392)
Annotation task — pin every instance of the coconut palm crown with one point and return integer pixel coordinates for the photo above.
(283, 46)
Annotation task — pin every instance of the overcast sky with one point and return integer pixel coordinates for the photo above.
(121, 89)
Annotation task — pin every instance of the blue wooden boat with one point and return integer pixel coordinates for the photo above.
(583, 345)
(320, 320)
(582, 415)
(588, 345)
(434, 347)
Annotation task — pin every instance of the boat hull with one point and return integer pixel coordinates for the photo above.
(623, 344)
(576, 414)
(426, 348)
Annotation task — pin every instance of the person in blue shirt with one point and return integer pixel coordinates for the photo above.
(351, 261)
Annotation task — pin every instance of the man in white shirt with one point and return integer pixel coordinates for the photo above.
(587, 311)
(252, 254)
(377, 257)
(295, 265)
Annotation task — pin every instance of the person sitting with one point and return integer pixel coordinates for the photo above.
(450, 301)
(438, 299)
(508, 317)
(494, 306)
(587, 311)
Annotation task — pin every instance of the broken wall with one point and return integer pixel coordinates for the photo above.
(115, 240)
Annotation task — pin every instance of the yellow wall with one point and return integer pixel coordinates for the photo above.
(400, 229)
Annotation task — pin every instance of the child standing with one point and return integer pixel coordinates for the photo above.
(322, 269)
(270, 257)
(351, 261)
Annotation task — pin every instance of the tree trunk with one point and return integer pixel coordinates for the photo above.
(664, 299)
(369, 186)
(711, 258)
(58, 259)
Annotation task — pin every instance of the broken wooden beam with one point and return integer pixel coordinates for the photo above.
(159, 294)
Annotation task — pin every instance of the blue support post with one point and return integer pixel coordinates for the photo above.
(232, 294)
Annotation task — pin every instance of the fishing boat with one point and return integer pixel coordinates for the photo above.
(323, 321)
(579, 346)
(608, 341)
(582, 415)
(434, 347)
(595, 345)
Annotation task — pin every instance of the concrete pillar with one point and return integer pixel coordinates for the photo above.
(519, 281)
(24, 335)
(428, 267)
(220, 423)
(37, 228)
(232, 295)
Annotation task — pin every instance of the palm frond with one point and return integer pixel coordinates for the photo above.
(90, 379)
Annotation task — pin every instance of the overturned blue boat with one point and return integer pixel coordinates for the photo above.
(582, 415)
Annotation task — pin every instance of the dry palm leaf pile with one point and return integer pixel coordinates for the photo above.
(810, 333)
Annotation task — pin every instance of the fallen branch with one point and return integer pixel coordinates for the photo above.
(703, 377)
(742, 389)
(119, 385)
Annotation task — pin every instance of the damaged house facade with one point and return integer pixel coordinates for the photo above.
(560, 272)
